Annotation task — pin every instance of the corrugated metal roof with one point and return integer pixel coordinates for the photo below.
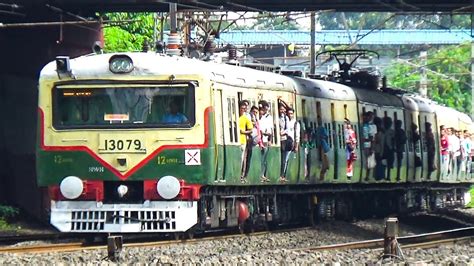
(386, 37)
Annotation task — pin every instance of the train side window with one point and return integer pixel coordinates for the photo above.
(385, 114)
(340, 136)
(303, 108)
(345, 110)
(375, 112)
(239, 96)
(229, 118)
(276, 137)
(235, 116)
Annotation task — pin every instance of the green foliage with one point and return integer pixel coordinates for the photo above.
(449, 78)
(471, 204)
(8, 212)
(128, 36)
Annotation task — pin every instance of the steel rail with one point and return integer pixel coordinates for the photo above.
(79, 246)
(415, 241)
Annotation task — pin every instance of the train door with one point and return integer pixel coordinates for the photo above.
(437, 142)
(362, 109)
(409, 122)
(327, 132)
(354, 120)
(400, 164)
(339, 141)
(232, 147)
(417, 147)
(313, 149)
(220, 136)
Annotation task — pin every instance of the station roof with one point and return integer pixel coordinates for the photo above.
(88, 6)
(363, 37)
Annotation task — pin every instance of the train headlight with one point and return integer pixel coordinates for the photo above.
(168, 187)
(120, 64)
(71, 187)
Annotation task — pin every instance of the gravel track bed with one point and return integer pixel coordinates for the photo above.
(266, 249)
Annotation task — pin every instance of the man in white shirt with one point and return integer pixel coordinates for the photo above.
(266, 128)
(292, 135)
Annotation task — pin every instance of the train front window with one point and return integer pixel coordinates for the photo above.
(124, 106)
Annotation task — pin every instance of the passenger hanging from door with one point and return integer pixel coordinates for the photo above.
(389, 146)
(351, 144)
(400, 142)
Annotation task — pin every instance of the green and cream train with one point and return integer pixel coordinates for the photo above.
(145, 142)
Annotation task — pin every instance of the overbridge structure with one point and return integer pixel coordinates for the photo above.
(340, 37)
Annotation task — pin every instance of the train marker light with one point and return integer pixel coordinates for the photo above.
(71, 187)
(168, 187)
(120, 64)
(122, 190)
(63, 66)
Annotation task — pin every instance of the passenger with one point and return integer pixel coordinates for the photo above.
(324, 148)
(285, 142)
(245, 128)
(308, 143)
(451, 140)
(368, 132)
(400, 142)
(250, 144)
(256, 134)
(174, 116)
(293, 137)
(431, 149)
(416, 144)
(266, 129)
(444, 152)
(465, 146)
(379, 145)
(456, 152)
(351, 144)
(389, 145)
(468, 150)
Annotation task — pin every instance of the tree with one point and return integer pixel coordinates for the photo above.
(449, 76)
(129, 36)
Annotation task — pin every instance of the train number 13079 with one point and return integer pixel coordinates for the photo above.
(121, 144)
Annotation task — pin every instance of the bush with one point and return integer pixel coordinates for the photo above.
(8, 212)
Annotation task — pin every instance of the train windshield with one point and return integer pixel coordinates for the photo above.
(83, 106)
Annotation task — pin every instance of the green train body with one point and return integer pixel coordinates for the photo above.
(105, 142)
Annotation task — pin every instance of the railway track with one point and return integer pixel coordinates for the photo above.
(428, 240)
(416, 241)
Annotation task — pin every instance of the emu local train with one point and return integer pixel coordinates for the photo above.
(145, 142)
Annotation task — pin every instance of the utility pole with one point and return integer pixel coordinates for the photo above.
(472, 79)
(312, 56)
(173, 19)
(423, 78)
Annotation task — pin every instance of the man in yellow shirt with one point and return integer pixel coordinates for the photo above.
(245, 127)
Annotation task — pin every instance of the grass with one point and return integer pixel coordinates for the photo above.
(7, 213)
(471, 204)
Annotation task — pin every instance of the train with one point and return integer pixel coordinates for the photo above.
(143, 142)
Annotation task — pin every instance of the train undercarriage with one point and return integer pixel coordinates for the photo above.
(250, 208)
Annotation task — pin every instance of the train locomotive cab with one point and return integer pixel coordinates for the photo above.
(115, 136)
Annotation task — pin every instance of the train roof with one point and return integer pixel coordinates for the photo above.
(323, 89)
(423, 104)
(96, 66)
(377, 97)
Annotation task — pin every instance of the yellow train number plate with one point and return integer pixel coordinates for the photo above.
(121, 144)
